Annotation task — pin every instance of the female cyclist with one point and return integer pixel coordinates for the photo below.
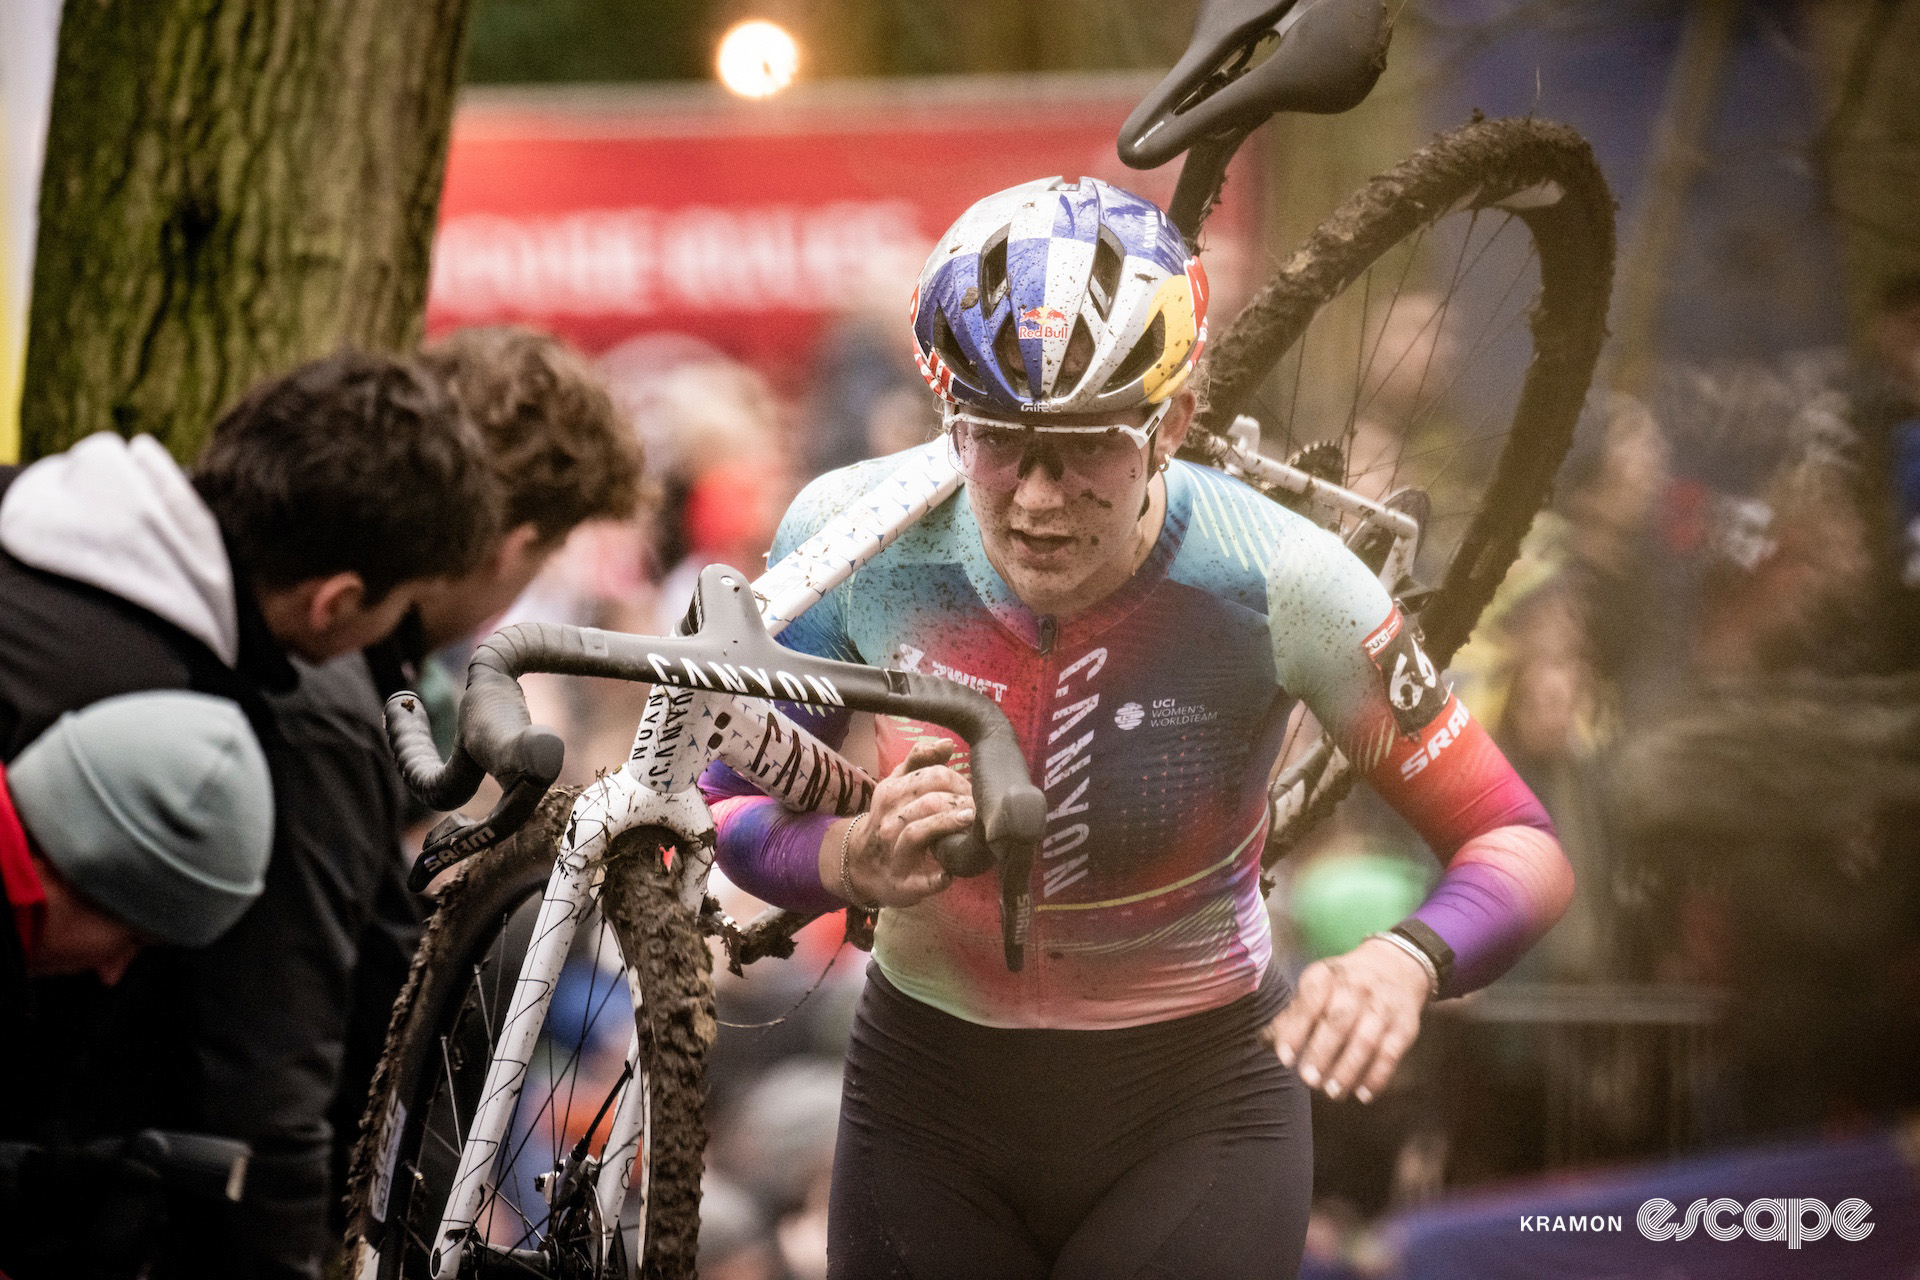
(1132, 1101)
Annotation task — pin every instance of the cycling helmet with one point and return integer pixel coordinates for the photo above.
(1059, 297)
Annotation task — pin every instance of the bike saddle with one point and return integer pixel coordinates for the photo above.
(1252, 58)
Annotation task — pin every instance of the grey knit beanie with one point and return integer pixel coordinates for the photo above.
(157, 807)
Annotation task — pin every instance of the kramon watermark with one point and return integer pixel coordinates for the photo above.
(1795, 1221)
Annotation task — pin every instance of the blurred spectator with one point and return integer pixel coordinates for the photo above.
(1778, 814)
(868, 401)
(735, 1243)
(714, 436)
(723, 471)
(777, 1144)
(1885, 410)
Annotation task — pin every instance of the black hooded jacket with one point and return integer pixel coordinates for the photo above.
(116, 579)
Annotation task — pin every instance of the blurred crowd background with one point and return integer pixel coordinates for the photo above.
(1705, 661)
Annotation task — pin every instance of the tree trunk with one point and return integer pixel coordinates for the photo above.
(1679, 154)
(231, 187)
(1868, 151)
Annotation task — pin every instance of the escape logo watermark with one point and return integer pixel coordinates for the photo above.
(1795, 1221)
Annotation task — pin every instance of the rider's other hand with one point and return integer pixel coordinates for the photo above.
(1352, 1019)
(891, 858)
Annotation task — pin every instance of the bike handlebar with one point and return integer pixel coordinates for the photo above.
(729, 652)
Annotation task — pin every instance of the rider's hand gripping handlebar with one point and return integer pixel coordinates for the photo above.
(728, 652)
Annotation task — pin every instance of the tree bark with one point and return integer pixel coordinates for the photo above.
(231, 187)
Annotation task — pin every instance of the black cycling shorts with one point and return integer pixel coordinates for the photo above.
(1176, 1149)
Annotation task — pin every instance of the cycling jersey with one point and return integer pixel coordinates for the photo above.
(1152, 721)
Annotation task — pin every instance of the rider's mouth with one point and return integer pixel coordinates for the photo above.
(1039, 544)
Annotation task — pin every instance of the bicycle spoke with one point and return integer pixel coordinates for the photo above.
(1410, 255)
(526, 1236)
(453, 1098)
(1359, 373)
(1485, 338)
(480, 992)
(551, 1112)
(1299, 376)
(441, 1138)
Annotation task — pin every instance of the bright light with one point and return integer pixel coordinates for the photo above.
(757, 59)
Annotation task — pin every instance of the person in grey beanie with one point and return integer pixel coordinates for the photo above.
(145, 818)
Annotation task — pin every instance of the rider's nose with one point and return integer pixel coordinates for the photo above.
(1041, 477)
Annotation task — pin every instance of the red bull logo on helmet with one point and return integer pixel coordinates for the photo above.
(1043, 324)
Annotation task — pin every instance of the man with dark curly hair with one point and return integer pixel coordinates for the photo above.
(558, 449)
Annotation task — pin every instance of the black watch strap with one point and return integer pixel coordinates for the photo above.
(1435, 947)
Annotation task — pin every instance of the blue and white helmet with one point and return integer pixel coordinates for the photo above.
(1060, 297)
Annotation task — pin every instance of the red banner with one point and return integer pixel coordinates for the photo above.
(751, 225)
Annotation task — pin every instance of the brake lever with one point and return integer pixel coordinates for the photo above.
(965, 854)
(454, 838)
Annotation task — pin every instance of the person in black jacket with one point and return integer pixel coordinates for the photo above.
(324, 506)
(141, 820)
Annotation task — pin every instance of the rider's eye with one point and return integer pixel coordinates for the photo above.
(1003, 443)
(1081, 447)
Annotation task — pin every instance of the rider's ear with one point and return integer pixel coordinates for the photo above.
(1173, 431)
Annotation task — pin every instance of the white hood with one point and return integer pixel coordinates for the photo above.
(122, 516)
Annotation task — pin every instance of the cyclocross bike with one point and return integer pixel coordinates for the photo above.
(1410, 377)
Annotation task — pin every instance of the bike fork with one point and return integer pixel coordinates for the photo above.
(560, 911)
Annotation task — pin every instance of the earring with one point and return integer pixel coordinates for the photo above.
(1163, 465)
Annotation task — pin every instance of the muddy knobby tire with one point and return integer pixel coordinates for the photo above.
(662, 940)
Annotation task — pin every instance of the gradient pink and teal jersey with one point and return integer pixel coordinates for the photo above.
(1152, 722)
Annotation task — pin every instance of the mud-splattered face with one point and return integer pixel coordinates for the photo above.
(1063, 544)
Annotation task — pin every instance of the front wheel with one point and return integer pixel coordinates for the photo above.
(538, 1215)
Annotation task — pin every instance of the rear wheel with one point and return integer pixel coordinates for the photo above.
(1430, 345)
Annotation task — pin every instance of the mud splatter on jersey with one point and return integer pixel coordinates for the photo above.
(1151, 722)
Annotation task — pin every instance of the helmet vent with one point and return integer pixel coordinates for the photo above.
(1006, 350)
(1152, 343)
(1108, 258)
(1073, 366)
(948, 348)
(993, 273)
